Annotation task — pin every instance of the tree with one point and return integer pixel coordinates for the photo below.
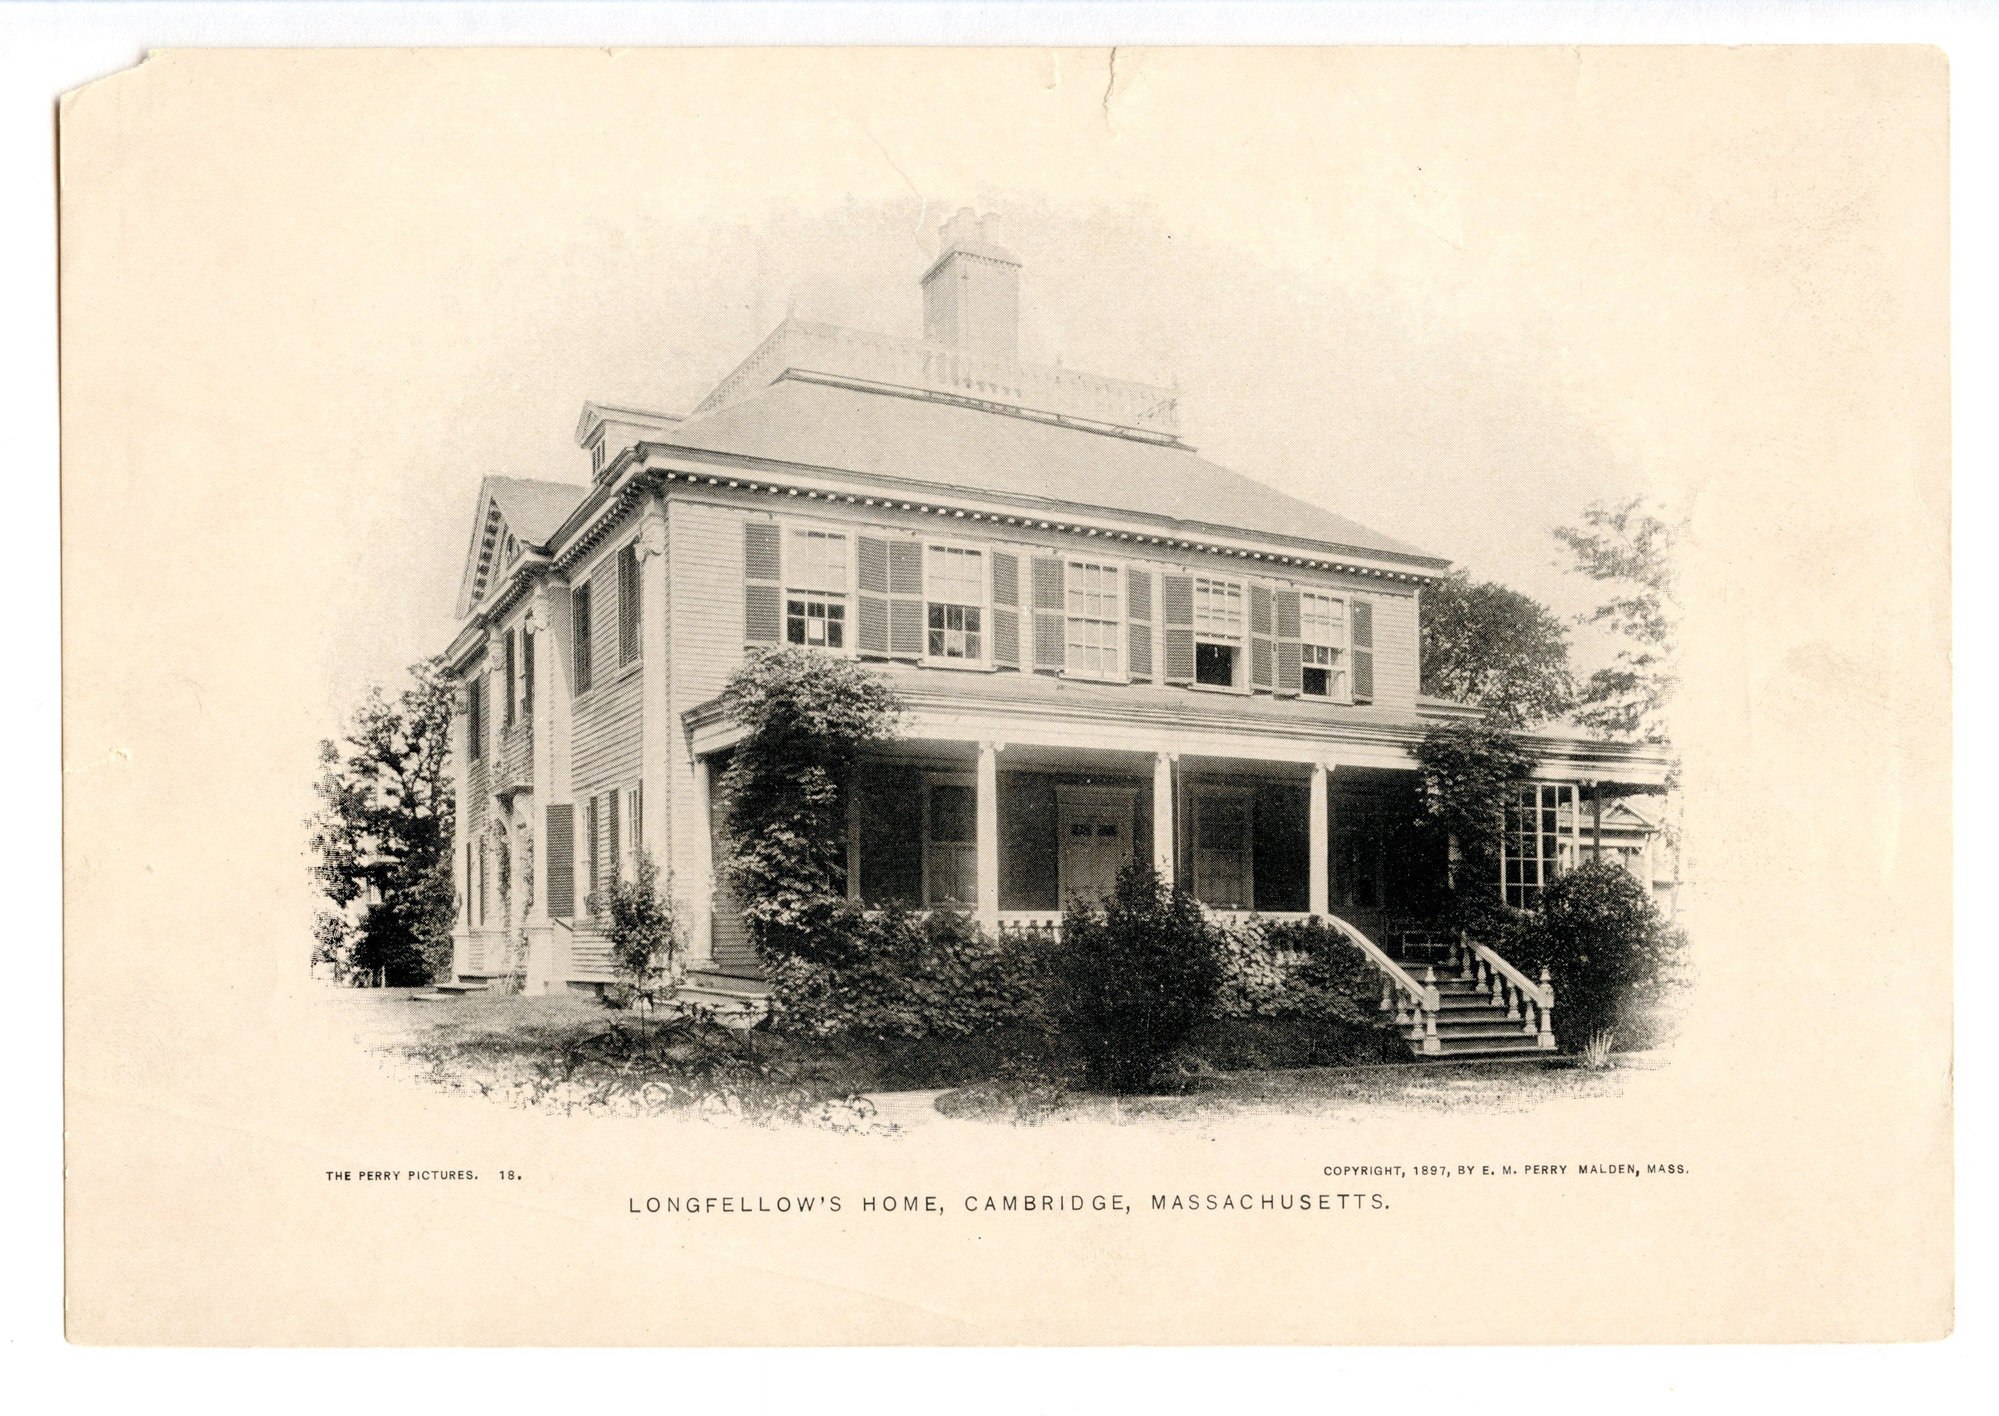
(1630, 548)
(807, 717)
(383, 837)
(1497, 648)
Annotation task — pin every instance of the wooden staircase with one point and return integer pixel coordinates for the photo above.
(1478, 1007)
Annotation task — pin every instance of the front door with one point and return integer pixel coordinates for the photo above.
(1096, 842)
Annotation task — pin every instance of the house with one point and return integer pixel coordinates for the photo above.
(1108, 645)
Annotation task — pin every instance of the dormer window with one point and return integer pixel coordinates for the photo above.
(815, 597)
(1217, 631)
(597, 458)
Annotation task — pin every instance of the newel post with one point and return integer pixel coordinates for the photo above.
(1547, 1009)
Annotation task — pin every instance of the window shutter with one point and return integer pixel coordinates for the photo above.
(763, 622)
(527, 671)
(1048, 646)
(579, 630)
(905, 599)
(1006, 609)
(1176, 596)
(590, 842)
(1262, 654)
(561, 860)
(628, 604)
(611, 834)
(507, 713)
(1362, 614)
(1138, 624)
(635, 822)
(475, 729)
(871, 580)
(1290, 676)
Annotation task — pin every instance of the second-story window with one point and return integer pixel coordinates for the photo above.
(1322, 621)
(1095, 616)
(815, 596)
(1217, 631)
(579, 603)
(955, 595)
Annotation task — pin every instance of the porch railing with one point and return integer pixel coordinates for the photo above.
(1416, 1004)
(1033, 924)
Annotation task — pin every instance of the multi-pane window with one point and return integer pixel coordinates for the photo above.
(951, 851)
(1094, 616)
(1322, 622)
(955, 594)
(1540, 819)
(1222, 850)
(1217, 631)
(579, 620)
(815, 600)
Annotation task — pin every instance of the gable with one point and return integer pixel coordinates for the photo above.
(516, 516)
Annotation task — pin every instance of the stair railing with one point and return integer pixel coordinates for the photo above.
(1528, 1003)
(1416, 1004)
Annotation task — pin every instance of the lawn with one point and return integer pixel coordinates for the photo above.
(567, 1052)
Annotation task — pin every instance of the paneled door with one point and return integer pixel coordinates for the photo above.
(1096, 840)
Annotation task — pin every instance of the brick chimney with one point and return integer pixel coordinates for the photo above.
(971, 293)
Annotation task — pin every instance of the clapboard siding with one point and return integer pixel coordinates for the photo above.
(590, 954)
(604, 744)
(706, 564)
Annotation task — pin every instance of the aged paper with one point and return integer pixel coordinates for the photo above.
(311, 299)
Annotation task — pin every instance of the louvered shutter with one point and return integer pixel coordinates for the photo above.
(527, 671)
(561, 830)
(1138, 626)
(1049, 654)
(1362, 613)
(475, 725)
(590, 841)
(1262, 653)
(628, 604)
(611, 836)
(905, 599)
(871, 584)
(1176, 604)
(763, 620)
(581, 647)
(507, 714)
(1006, 609)
(1289, 669)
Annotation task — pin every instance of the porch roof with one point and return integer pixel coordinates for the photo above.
(1051, 712)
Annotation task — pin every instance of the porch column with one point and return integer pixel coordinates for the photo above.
(701, 928)
(655, 725)
(988, 835)
(1319, 900)
(1162, 816)
(461, 765)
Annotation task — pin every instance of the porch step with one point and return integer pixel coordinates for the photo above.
(455, 989)
(1454, 1049)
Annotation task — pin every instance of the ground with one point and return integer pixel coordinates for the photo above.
(568, 1052)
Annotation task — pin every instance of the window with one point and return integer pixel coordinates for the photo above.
(507, 712)
(628, 605)
(1538, 820)
(815, 600)
(580, 628)
(1095, 616)
(950, 845)
(1222, 850)
(1217, 631)
(1322, 621)
(955, 589)
(475, 717)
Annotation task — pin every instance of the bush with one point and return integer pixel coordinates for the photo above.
(1131, 980)
(1607, 949)
(892, 973)
(648, 951)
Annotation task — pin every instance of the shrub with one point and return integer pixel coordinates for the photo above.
(1605, 945)
(785, 833)
(1131, 980)
(648, 950)
(891, 973)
